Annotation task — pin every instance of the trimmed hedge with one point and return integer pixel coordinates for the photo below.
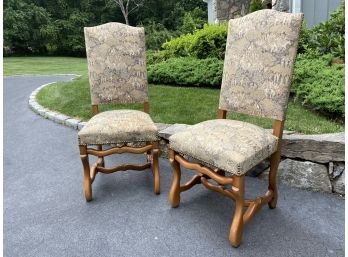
(153, 56)
(209, 42)
(187, 71)
(316, 81)
(319, 84)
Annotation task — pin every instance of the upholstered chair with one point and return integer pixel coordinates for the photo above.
(117, 74)
(259, 60)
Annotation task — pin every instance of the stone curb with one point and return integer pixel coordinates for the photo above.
(49, 114)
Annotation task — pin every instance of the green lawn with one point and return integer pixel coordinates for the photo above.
(44, 65)
(168, 104)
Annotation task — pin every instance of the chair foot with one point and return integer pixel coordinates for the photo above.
(275, 160)
(87, 188)
(273, 203)
(87, 183)
(236, 230)
(174, 193)
(155, 171)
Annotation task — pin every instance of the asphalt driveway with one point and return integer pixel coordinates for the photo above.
(45, 213)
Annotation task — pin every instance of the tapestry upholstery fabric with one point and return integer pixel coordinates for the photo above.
(116, 63)
(119, 126)
(259, 60)
(230, 145)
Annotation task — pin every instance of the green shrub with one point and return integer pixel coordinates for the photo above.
(328, 37)
(256, 5)
(23, 23)
(178, 46)
(319, 84)
(193, 20)
(187, 71)
(316, 82)
(209, 42)
(154, 56)
(303, 42)
(156, 34)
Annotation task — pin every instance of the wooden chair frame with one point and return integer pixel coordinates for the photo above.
(245, 209)
(151, 149)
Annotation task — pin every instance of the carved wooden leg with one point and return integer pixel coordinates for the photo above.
(155, 168)
(275, 159)
(174, 193)
(87, 185)
(236, 230)
(100, 161)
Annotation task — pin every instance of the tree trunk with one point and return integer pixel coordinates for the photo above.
(126, 19)
(280, 5)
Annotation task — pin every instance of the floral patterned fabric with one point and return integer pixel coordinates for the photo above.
(116, 63)
(230, 145)
(260, 53)
(120, 126)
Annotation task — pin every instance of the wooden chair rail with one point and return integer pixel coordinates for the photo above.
(220, 189)
(95, 168)
(124, 149)
(123, 167)
(255, 205)
(196, 179)
(203, 170)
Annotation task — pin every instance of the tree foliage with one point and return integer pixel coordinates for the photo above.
(56, 26)
(327, 37)
(256, 5)
(23, 23)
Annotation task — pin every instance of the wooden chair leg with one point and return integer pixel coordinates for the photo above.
(155, 169)
(100, 161)
(174, 193)
(87, 184)
(236, 230)
(275, 159)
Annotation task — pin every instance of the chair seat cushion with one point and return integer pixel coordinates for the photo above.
(229, 145)
(119, 126)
